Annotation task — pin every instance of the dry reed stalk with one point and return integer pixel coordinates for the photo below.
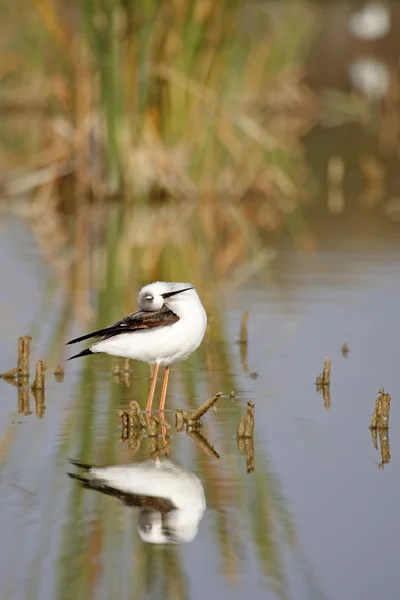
(325, 378)
(326, 394)
(246, 424)
(20, 353)
(23, 400)
(326, 374)
(385, 447)
(133, 418)
(59, 373)
(24, 344)
(380, 417)
(39, 382)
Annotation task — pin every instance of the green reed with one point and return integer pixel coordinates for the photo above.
(158, 98)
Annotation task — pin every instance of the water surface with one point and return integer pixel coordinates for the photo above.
(318, 516)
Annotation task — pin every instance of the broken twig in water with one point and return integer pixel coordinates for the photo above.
(199, 412)
(192, 420)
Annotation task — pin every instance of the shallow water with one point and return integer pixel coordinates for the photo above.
(318, 516)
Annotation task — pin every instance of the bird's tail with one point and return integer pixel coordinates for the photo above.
(83, 353)
(80, 464)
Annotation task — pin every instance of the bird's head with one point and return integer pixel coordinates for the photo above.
(153, 296)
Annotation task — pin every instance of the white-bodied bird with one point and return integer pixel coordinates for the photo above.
(169, 326)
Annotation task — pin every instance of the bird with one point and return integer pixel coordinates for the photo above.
(170, 499)
(169, 325)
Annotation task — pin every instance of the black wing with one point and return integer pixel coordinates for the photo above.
(162, 505)
(140, 319)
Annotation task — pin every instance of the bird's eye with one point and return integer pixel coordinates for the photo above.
(149, 297)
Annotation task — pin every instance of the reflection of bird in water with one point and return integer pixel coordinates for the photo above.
(169, 326)
(171, 500)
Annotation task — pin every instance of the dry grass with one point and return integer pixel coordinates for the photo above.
(147, 100)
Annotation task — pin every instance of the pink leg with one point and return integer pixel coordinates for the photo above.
(152, 388)
(164, 390)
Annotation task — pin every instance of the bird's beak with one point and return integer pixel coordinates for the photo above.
(169, 294)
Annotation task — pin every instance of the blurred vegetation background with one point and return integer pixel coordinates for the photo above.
(153, 139)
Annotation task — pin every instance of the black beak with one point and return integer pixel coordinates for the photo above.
(169, 294)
